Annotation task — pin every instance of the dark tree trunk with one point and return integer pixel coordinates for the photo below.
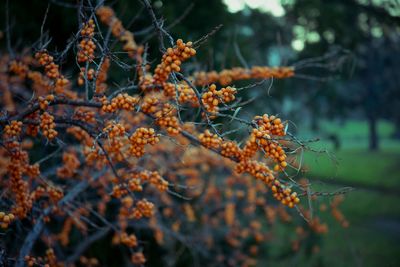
(396, 133)
(373, 133)
(314, 123)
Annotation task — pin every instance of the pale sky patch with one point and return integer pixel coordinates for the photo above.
(271, 6)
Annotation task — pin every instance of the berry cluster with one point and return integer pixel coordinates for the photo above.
(86, 46)
(213, 97)
(33, 171)
(19, 186)
(19, 68)
(32, 261)
(47, 126)
(144, 208)
(210, 140)
(138, 258)
(336, 213)
(70, 165)
(128, 240)
(226, 77)
(119, 190)
(47, 61)
(149, 104)
(107, 16)
(140, 138)
(261, 172)
(172, 60)
(6, 219)
(169, 89)
(88, 262)
(89, 75)
(81, 135)
(155, 179)
(146, 81)
(187, 95)
(166, 118)
(85, 115)
(13, 129)
(269, 126)
(55, 194)
(121, 101)
(231, 149)
(114, 130)
(135, 184)
(39, 192)
(61, 84)
(45, 101)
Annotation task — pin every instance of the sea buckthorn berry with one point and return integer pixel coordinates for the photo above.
(167, 119)
(86, 50)
(230, 213)
(107, 16)
(210, 99)
(86, 45)
(19, 68)
(230, 150)
(121, 101)
(128, 240)
(226, 77)
(172, 60)
(261, 172)
(13, 129)
(70, 165)
(336, 213)
(85, 115)
(89, 75)
(114, 130)
(135, 184)
(119, 191)
(47, 126)
(143, 208)
(47, 61)
(32, 129)
(262, 138)
(6, 219)
(55, 194)
(210, 140)
(270, 125)
(149, 105)
(101, 78)
(146, 82)
(227, 94)
(61, 87)
(138, 258)
(88, 29)
(38, 193)
(140, 138)
(88, 262)
(155, 179)
(33, 170)
(213, 97)
(187, 95)
(45, 101)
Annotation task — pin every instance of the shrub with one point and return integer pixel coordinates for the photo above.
(147, 166)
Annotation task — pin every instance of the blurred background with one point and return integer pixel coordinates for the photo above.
(349, 98)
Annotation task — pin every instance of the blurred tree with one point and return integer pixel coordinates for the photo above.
(370, 29)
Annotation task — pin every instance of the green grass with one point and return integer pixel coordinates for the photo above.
(356, 129)
(373, 234)
(379, 168)
(373, 237)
